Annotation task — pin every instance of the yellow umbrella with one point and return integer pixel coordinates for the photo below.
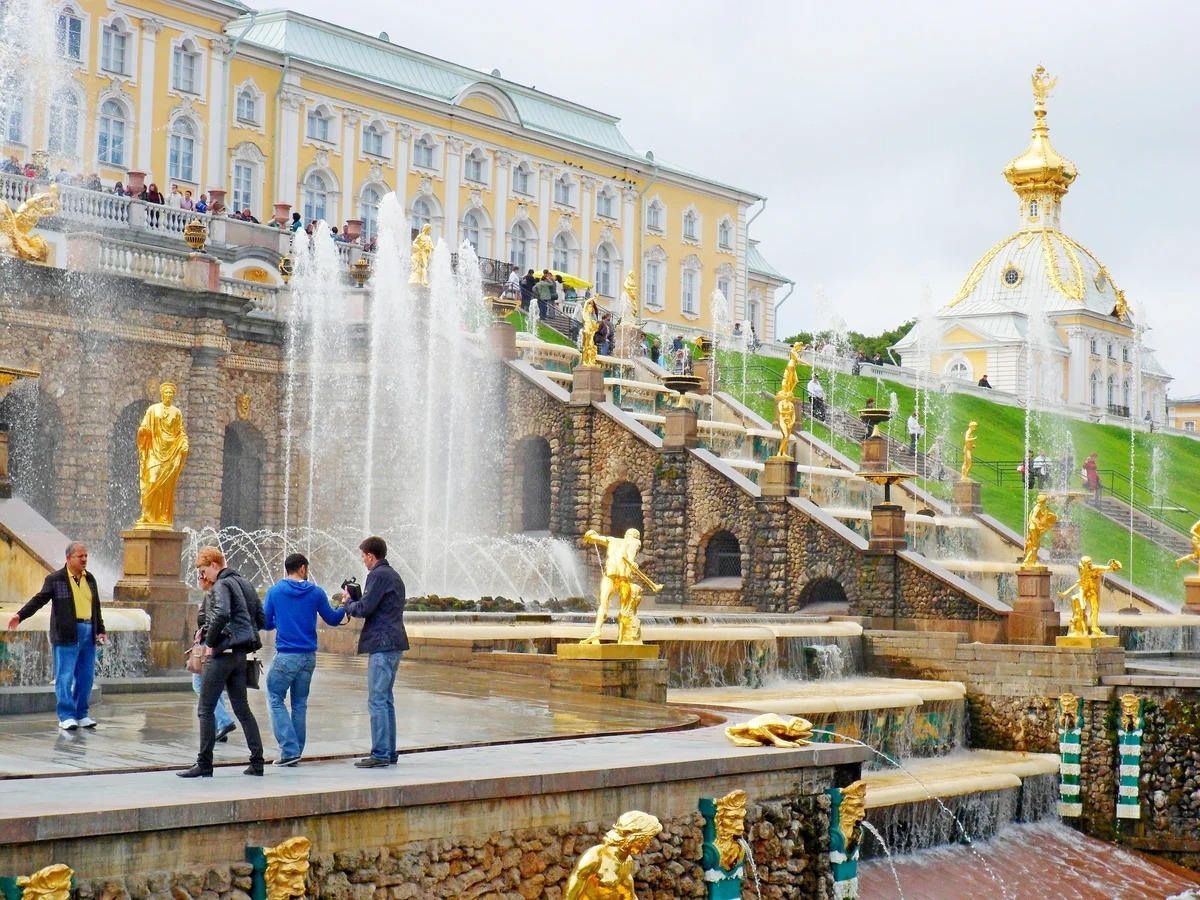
(570, 281)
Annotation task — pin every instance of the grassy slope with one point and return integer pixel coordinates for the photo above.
(1001, 440)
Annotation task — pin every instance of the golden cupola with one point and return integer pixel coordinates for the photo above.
(1041, 173)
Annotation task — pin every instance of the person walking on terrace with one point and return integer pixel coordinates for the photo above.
(816, 397)
(76, 627)
(383, 639)
(914, 432)
(221, 716)
(291, 610)
(235, 616)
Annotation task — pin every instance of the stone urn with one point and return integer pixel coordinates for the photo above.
(216, 199)
(135, 182)
(353, 230)
(283, 213)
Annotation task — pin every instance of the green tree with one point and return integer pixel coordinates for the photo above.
(853, 341)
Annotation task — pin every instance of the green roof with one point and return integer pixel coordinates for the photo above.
(757, 263)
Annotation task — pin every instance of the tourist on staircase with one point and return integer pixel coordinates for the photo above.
(914, 432)
(816, 397)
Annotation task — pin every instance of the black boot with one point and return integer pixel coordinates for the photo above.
(196, 771)
(253, 769)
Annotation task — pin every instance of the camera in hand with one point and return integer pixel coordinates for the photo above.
(352, 589)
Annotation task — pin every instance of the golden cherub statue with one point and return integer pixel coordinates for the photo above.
(620, 569)
(590, 319)
(605, 872)
(16, 237)
(162, 450)
(422, 251)
(785, 401)
(50, 883)
(630, 287)
(1194, 535)
(287, 865)
(772, 730)
(968, 451)
(1041, 521)
(1085, 605)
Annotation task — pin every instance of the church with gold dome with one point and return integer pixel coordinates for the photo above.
(1039, 314)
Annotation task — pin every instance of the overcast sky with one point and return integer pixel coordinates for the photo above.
(879, 131)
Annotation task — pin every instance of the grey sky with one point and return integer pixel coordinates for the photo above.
(879, 130)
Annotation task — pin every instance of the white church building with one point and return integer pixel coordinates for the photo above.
(1039, 314)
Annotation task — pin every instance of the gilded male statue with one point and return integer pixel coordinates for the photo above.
(785, 401)
(162, 450)
(50, 883)
(1041, 520)
(422, 252)
(968, 451)
(1194, 536)
(287, 865)
(16, 226)
(605, 872)
(1085, 605)
(620, 568)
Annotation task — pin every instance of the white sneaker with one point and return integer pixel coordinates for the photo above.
(87, 722)
(68, 724)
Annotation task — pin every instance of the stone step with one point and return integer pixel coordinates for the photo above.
(965, 772)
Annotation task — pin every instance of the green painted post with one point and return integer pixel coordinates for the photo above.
(258, 879)
(842, 859)
(723, 884)
(9, 889)
(1130, 744)
(1070, 799)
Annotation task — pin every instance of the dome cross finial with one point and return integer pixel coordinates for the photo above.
(1043, 84)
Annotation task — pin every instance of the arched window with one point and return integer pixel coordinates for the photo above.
(114, 48)
(753, 312)
(471, 229)
(185, 68)
(64, 124)
(1095, 389)
(1111, 392)
(423, 153)
(373, 139)
(69, 34)
(691, 226)
(689, 287)
(476, 166)
(247, 106)
(422, 214)
(12, 114)
(723, 556)
(654, 217)
(318, 125)
(959, 369)
(111, 138)
(1125, 392)
(182, 156)
(242, 477)
(315, 197)
(563, 191)
(521, 246)
(725, 236)
(368, 211)
(626, 509)
(523, 180)
(605, 204)
(604, 279)
(533, 456)
(562, 253)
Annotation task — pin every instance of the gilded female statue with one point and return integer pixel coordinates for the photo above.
(968, 451)
(785, 401)
(605, 872)
(162, 450)
(630, 287)
(591, 324)
(422, 251)
(1041, 520)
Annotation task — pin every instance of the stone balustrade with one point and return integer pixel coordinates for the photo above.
(265, 297)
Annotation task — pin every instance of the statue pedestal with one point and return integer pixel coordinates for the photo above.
(607, 651)
(706, 370)
(1191, 595)
(681, 431)
(587, 385)
(778, 478)
(1088, 641)
(502, 338)
(887, 527)
(630, 671)
(151, 581)
(966, 497)
(1065, 537)
(1034, 619)
(874, 455)
(628, 343)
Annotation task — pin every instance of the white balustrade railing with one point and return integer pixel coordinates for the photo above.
(167, 220)
(140, 261)
(15, 189)
(93, 207)
(265, 297)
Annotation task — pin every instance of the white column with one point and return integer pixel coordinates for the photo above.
(217, 169)
(454, 148)
(629, 225)
(287, 149)
(1102, 400)
(740, 303)
(403, 136)
(587, 185)
(545, 195)
(1077, 366)
(144, 161)
(500, 204)
(350, 120)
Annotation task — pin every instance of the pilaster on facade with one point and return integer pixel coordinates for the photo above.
(587, 188)
(350, 121)
(145, 151)
(404, 135)
(545, 186)
(287, 175)
(504, 161)
(738, 303)
(629, 198)
(216, 174)
(454, 148)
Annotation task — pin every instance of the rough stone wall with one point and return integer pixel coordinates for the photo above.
(670, 512)
(717, 504)
(925, 596)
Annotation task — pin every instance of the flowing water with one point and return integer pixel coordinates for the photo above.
(753, 867)
(887, 851)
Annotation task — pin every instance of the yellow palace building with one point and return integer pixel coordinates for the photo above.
(287, 113)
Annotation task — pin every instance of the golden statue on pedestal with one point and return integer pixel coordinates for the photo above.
(1085, 604)
(1041, 520)
(605, 872)
(1194, 535)
(16, 238)
(785, 401)
(968, 451)
(162, 450)
(50, 883)
(771, 730)
(422, 251)
(590, 319)
(630, 287)
(287, 865)
(620, 568)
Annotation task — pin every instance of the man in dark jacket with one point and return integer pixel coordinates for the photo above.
(384, 639)
(76, 627)
(231, 628)
(527, 284)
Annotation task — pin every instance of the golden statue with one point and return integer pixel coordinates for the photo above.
(1085, 604)
(287, 865)
(16, 238)
(590, 318)
(785, 401)
(968, 451)
(1043, 84)
(1120, 309)
(1194, 534)
(243, 406)
(620, 568)
(605, 872)
(1131, 708)
(50, 883)
(162, 450)
(422, 251)
(1068, 709)
(850, 814)
(730, 823)
(630, 287)
(1041, 520)
(773, 730)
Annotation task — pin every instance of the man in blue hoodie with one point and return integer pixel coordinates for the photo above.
(292, 607)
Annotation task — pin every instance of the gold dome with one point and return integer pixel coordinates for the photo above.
(1041, 171)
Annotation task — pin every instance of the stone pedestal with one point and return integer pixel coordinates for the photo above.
(887, 527)
(778, 478)
(681, 431)
(706, 370)
(1034, 619)
(615, 675)
(587, 385)
(966, 497)
(151, 581)
(874, 455)
(202, 272)
(502, 338)
(627, 341)
(1088, 641)
(606, 651)
(1191, 595)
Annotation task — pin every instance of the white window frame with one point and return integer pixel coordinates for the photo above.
(475, 216)
(609, 210)
(368, 211)
(1094, 382)
(16, 112)
(522, 234)
(529, 176)
(607, 279)
(247, 196)
(246, 113)
(564, 191)
(475, 168)
(309, 195)
(65, 16)
(659, 224)
(423, 142)
(689, 293)
(560, 253)
(960, 367)
(691, 216)
(117, 28)
(725, 227)
(175, 147)
(374, 132)
(57, 122)
(104, 126)
(1189, 425)
(320, 113)
(727, 287)
(654, 286)
(187, 48)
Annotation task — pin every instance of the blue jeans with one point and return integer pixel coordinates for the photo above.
(74, 672)
(290, 672)
(222, 715)
(381, 678)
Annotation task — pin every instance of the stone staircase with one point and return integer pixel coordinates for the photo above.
(1143, 525)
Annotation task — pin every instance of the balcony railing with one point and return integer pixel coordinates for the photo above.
(265, 297)
(1119, 411)
(493, 271)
